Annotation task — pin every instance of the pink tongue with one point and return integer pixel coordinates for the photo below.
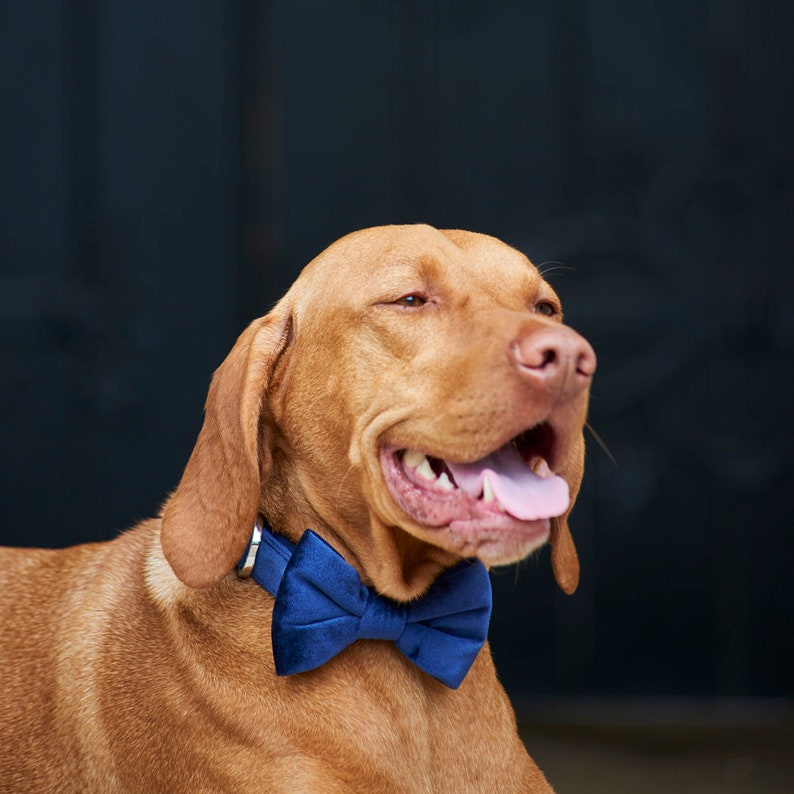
(521, 492)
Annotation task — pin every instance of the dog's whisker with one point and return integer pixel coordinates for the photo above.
(342, 483)
(552, 266)
(601, 443)
(516, 571)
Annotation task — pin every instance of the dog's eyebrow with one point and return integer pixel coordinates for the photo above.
(406, 274)
(408, 263)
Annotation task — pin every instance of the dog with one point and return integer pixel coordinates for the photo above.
(411, 410)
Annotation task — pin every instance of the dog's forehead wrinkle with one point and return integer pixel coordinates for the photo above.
(401, 275)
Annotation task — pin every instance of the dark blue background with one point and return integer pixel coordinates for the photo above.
(167, 168)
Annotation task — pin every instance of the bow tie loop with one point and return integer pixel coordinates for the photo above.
(382, 619)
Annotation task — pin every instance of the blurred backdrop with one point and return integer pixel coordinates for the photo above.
(166, 169)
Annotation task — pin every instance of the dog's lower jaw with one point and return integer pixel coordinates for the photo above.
(496, 546)
(456, 523)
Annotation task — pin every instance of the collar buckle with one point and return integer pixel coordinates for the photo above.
(246, 564)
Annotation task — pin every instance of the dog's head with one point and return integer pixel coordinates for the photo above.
(414, 398)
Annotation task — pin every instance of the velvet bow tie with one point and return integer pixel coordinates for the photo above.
(322, 607)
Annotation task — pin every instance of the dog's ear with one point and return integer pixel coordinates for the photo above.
(207, 521)
(564, 560)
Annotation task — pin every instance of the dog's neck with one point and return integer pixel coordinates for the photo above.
(321, 606)
(387, 558)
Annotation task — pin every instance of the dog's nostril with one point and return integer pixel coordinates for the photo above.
(536, 356)
(586, 361)
(542, 358)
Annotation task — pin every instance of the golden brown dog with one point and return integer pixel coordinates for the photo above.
(358, 407)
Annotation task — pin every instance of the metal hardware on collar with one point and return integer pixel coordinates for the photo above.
(245, 566)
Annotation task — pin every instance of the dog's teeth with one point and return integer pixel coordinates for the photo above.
(489, 497)
(413, 458)
(542, 469)
(444, 482)
(487, 491)
(424, 469)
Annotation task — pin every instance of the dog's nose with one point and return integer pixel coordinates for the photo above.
(556, 359)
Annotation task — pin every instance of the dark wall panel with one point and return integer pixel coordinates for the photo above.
(120, 236)
(168, 169)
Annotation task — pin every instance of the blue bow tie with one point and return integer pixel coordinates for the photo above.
(322, 607)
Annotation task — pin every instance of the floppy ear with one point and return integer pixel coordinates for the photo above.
(564, 560)
(207, 521)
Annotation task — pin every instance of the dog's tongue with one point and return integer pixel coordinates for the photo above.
(521, 492)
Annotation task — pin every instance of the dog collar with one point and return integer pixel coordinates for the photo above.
(322, 607)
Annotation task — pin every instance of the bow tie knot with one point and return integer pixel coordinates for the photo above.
(382, 619)
(322, 607)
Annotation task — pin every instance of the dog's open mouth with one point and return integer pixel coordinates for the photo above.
(512, 484)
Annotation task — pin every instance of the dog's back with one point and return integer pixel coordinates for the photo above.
(58, 609)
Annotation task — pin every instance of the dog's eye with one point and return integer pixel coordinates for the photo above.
(413, 300)
(545, 308)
